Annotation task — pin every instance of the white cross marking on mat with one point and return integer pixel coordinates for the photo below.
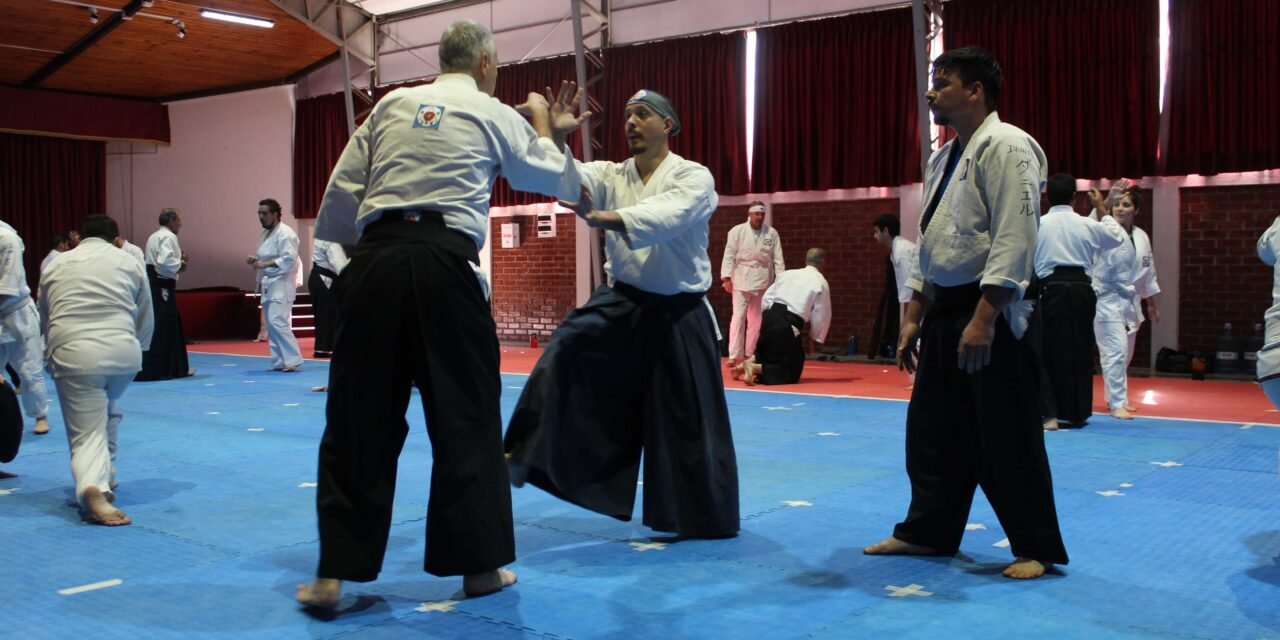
(442, 605)
(975, 527)
(90, 587)
(909, 590)
(798, 404)
(1108, 494)
(1126, 485)
(255, 429)
(1167, 464)
(797, 503)
(828, 433)
(291, 404)
(776, 408)
(228, 365)
(308, 485)
(648, 546)
(250, 381)
(209, 384)
(213, 413)
(1003, 544)
(5, 492)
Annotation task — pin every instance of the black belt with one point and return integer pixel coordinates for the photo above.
(319, 270)
(418, 226)
(407, 215)
(1067, 274)
(642, 297)
(159, 280)
(792, 318)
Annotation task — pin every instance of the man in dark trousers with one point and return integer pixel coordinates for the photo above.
(413, 187)
(1062, 324)
(973, 419)
(797, 297)
(636, 367)
(167, 357)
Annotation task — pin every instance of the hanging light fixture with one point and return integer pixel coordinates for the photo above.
(237, 18)
(93, 15)
(182, 28)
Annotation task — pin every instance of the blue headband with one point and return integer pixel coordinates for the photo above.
(659, 103)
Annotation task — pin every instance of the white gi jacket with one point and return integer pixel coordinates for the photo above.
(279, 282)
(17, 311)
(329, 255)
(664, 247)
(53, 253)
(1144, 280)
(1069, 239)
(97, 308)
(1268, 252)
(136, 253)
(752, 259)
(438, 147)
(164, 253)
(903, 256)
(984, 227)
(806, 294)
(1113, 274)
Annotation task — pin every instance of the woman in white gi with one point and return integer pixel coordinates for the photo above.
(99, 320)
(1122, 278)
(752, 260)
(277, 265)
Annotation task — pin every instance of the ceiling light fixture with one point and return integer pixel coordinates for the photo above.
(93, 15)
(182, 28)
(238, 19)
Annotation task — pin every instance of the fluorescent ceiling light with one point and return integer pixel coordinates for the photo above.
(237, 18)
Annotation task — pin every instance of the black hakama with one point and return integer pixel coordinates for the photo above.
(780, 351)
(981, 429)
(324, 308)
(631, 371)
(167, 357)
(1066, 309)
(413, 315)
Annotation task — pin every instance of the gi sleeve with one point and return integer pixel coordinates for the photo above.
(690, 198)
(338, 257)
(168, 257)
(820, 317)
(1108, 233)
(1146, 283)
(778, 264)
(1268, 242)
(145, 322)
(10, 268)
(730, 253)
(288, 254)
(336, 221)
(1012, 173)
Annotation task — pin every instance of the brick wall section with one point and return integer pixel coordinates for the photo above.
(1222, 278)
(534, 286)
(855, 262)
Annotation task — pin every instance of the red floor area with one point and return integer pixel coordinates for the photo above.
(1156, 397)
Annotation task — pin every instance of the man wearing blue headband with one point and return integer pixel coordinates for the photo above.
(637, 367)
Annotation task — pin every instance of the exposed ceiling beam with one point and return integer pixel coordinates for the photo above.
(108, 25)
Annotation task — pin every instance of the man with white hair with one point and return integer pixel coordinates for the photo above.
(411, 191)
(752, 260)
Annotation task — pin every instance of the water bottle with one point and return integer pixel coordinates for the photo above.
(1249, 357)
(853, 346)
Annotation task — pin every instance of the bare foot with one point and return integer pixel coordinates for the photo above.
(1026, 569)
(483, 584)
(320, 389)
(5, 475)
(1121, 414)
(751, 370)
(97, 509)
(910, 387)
(1051, 424)
(1130, 408)
(737, 372)
(42, 426)
(322, 593)
(291, 369)
(895, 547)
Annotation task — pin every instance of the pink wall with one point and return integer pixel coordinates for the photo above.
(228, 152)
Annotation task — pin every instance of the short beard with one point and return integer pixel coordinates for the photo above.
(637, 147)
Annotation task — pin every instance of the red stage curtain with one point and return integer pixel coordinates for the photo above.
(836, 104)
(320, 135)
(83, 117)
(514, 84)
(48, 186)
(1081, 76)
(705, 79)
(1224, 61)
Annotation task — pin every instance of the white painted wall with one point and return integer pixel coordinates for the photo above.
(227, 153)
